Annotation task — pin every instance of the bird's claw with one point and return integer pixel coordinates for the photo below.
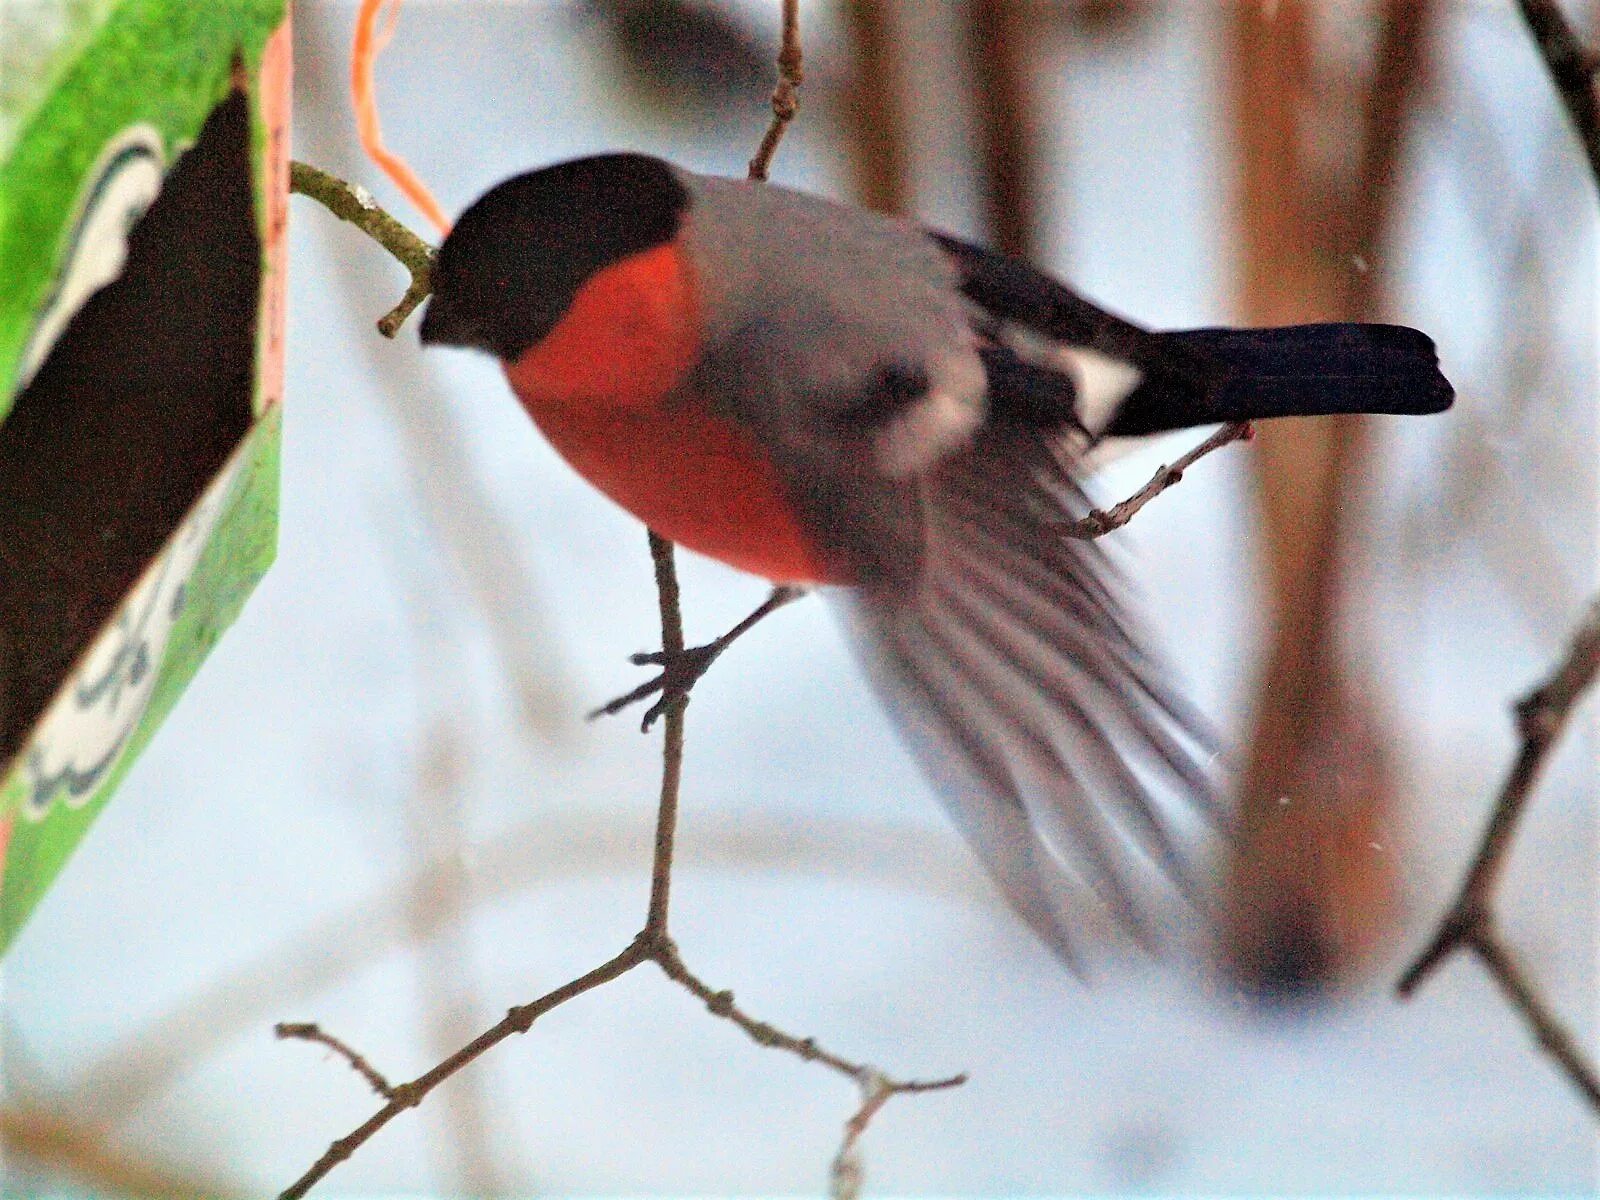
(680, 671)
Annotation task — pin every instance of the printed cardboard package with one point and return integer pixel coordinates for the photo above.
(143, 204)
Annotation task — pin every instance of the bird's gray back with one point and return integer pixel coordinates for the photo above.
(863, 290)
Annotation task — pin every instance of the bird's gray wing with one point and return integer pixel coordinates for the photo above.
(999, 646)
(1066, 758)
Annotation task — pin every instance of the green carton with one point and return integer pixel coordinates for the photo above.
(143, 190)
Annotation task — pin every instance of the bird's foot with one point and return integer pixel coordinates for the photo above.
(682, 669)
(679, 673)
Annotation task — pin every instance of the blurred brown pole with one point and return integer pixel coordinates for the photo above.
(1310, 892)
(999, 45)
(876, 108)
(70, 1147)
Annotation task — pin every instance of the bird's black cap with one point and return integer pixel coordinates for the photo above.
(508, 271)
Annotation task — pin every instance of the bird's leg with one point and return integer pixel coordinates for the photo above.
(681, 671)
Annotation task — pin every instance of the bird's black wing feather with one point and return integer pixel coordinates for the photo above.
(1010, 291)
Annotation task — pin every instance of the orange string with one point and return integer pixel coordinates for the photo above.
(369, 43)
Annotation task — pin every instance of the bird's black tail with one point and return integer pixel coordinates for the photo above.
(1296, 371)
(1194, 376)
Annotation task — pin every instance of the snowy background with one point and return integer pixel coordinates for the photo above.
(379, 806)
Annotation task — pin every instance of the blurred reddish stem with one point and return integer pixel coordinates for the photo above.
(999, 44)
(1308, 896)
(875, 108)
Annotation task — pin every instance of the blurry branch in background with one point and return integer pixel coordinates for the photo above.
(1572, 67)
(440, 462)
(1097, 19)
(66, 1144)
(653, 942)
(1308, 899)
(434, 444)
(435, 824)
(1509, 466)
(1543, 715)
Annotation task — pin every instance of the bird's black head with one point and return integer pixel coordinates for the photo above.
(508, 271)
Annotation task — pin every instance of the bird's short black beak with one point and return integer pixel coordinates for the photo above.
(436, 323)
(445, 323)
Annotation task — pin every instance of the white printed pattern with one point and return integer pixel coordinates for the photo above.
(84, 732)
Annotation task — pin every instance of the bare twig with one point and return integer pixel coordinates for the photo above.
(1099, 522)
(669, 602)
(409, 1095)
(643, 947)
(545, 849)
(845, 1176)
(721, 1004)
(351, 203)
(1572, 67)
(653, 944)
(310, 1031)
(1542, 717)
(681, 668)
(1547, 1029)
(786, 96)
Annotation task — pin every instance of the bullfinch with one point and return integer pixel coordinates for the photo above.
(824, 396)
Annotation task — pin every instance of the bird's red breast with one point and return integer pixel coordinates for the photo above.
(607, 387)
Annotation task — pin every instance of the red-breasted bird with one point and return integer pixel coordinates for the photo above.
(821, 395)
